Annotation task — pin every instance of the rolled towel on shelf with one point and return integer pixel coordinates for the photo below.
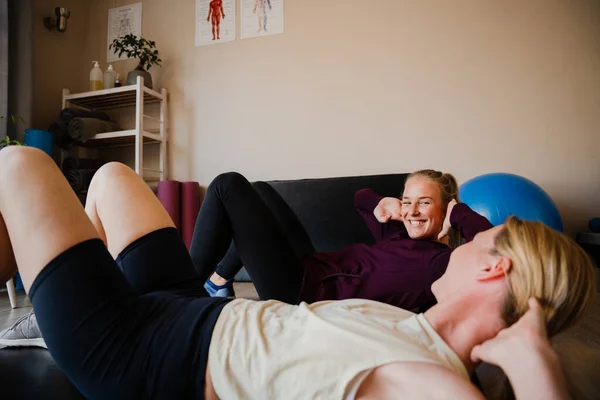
(81, 163)
(60, 129)
(80, 179)
(82, 129)
(67, 114)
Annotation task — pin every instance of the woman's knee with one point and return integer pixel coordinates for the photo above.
(228, 181)
(110, 171)
(20, 155)
(16, 162)
(114, 169)
(102, 178)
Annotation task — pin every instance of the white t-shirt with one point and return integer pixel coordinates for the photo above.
(271, 350)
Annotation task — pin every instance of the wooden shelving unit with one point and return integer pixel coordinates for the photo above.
(128, 96)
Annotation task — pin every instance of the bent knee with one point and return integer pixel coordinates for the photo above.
(107, 175)
(111, 170)
(229, 179)
(114, 168)
(15, 159)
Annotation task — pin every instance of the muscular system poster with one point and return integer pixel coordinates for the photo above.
(215, 21)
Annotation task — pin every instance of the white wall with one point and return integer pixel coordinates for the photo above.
(356, 87)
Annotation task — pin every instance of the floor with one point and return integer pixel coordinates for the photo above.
(579, 348)
(8, 316)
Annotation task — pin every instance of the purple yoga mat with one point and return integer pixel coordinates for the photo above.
(169, 194)
(190, 206)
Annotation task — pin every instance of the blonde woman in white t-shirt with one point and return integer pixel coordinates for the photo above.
(124, 315)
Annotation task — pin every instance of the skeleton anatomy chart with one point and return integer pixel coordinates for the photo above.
(123, 21)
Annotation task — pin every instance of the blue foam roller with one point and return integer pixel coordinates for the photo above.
(39, 139)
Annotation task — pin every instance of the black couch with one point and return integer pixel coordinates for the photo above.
(324, 209)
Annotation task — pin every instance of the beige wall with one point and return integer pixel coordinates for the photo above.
(57, 59)
(381, 86)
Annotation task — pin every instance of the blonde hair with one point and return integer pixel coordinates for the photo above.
(549, 266)
(448, 189)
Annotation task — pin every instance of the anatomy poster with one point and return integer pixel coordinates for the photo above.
(261, 18)
(123, 21)
(215, 21)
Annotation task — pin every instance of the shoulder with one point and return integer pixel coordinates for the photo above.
(414, 380)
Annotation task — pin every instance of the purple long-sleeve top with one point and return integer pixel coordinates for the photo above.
(396, 270)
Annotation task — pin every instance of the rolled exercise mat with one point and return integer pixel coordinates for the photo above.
(190, 206)
(81, 163)
(169, 194)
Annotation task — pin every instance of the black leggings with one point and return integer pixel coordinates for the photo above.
(140, 333)
(233, 209)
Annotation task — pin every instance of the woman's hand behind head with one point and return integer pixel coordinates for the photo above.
(389, 208)
(447, 225)
(528, 335)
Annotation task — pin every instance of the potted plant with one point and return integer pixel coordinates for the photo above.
(142, 49)
(7, 141)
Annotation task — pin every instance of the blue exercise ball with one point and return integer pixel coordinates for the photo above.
(498, 196)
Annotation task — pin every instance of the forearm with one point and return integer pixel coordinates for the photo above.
(366, 200)
(538, 375)
(468, 222)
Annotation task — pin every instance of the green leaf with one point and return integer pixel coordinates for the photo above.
(137, 47)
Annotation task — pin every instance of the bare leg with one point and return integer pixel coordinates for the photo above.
(99, 331)
(123, 208)
(42, 214)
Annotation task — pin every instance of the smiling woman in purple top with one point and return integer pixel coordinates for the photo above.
(411, 249)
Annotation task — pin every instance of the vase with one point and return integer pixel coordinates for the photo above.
(140, 71)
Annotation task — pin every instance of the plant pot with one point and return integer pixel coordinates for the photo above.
(139, 71)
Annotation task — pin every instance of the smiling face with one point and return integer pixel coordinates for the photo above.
(467, 264)
(423, 210)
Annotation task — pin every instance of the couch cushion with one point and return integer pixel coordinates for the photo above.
(325, 207)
